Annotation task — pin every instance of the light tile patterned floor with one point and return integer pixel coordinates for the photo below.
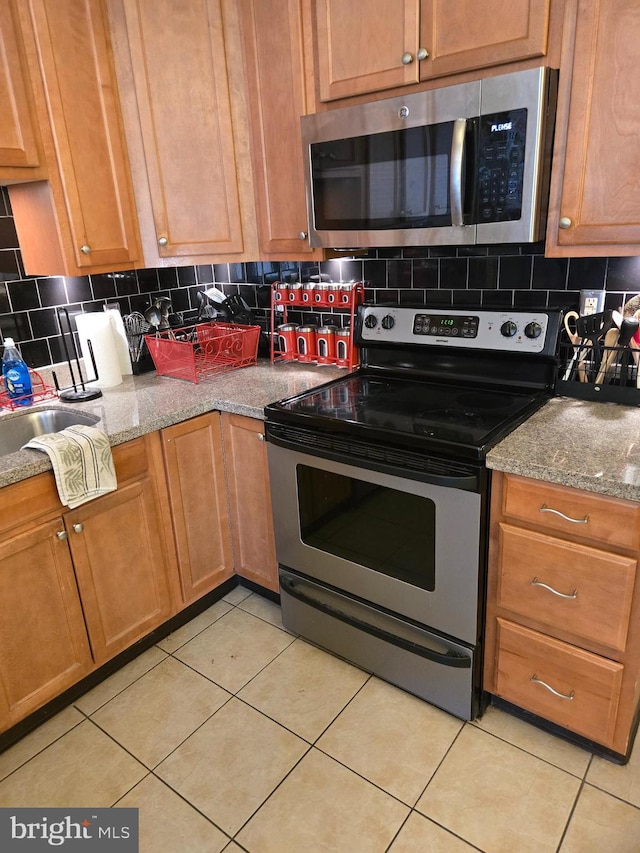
(232, 734)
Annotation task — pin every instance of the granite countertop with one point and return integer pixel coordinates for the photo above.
(143, 404)
(592, 446)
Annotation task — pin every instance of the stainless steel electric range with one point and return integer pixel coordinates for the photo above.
(380, 490)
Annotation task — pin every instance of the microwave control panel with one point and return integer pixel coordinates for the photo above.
(500, 173)
(534, 332)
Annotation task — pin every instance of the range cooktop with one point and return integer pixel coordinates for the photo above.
(452, 382)
(465, 420)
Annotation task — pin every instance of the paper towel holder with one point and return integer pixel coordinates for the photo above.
(72, 393)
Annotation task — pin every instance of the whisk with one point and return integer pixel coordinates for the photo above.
(136, 327)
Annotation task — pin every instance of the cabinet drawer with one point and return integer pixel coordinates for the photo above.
(584, 591)
(602, 519)
(592, 682)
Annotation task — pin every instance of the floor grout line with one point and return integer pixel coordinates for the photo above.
(310, 745)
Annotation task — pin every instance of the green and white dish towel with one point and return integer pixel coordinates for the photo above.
(82, 463)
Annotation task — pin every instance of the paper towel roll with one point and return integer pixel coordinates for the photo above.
(98, 328)
(122, 344)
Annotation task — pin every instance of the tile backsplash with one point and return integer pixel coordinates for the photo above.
(495, 276)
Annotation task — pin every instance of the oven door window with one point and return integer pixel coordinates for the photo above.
(397, 179)
(384, 529)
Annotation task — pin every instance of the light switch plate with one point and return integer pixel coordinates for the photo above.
(591, 302)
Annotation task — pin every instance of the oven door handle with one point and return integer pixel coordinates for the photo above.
(408, 464)
(449, 658)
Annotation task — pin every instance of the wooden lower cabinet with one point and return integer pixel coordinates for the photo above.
(120, 566)
(560, 682)
(77, 587)
(194, 467)
(44, 646)
(254, 550)
(562, 635)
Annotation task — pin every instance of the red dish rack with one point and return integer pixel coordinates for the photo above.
(204, 349)
(39, 394)
(282, 301)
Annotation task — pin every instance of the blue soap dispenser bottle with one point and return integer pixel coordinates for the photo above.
(16, 375)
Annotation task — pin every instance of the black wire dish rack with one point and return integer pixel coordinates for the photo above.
(600, 361)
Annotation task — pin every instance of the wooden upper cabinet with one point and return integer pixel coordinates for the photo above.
(20, 154)
(383, 44)
(275, 33)
(461, 34)
(181, 103)
(83, 218)
(361, 45)
(595, 191)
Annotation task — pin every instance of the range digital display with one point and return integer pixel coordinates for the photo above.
(446, 325)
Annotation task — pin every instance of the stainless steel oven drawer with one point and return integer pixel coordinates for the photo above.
(433, 667)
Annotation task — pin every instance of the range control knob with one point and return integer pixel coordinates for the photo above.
(508, 329)
(388, 322)
(371, 321)
(533, 330)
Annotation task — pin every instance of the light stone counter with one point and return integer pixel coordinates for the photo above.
(593, 446)
(143, 404)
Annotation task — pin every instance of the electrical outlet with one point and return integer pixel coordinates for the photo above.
(591, 302)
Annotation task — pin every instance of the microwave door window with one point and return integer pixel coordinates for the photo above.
(398, 179)
(426, 177)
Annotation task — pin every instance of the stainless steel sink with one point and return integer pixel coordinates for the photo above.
(16, 430)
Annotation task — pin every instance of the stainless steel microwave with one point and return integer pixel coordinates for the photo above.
(462, 164)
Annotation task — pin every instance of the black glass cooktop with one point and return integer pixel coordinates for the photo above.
(466, 419)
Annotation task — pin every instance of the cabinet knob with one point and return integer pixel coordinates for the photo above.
(86, 249)
(62, 535)
(302, 235)
(162, 241)
(565, 222)
(260, 436)
(407, 58)
(422, 53)
(78, 528)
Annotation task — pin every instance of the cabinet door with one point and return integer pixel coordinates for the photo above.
(367, 47)
(274, 41)
(19, 138)
(460, 35)
(361, 45)
(177, 54)
(583, 594)
(43, 641)
(197, 494)
(565, 684)
(83, 219)
(245, 454)
(120, 564)
(595, 199)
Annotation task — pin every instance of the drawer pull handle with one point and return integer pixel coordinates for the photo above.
(545, 508)
(568, 696)
(536, 582)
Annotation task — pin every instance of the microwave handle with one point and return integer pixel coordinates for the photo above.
(455, 170)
